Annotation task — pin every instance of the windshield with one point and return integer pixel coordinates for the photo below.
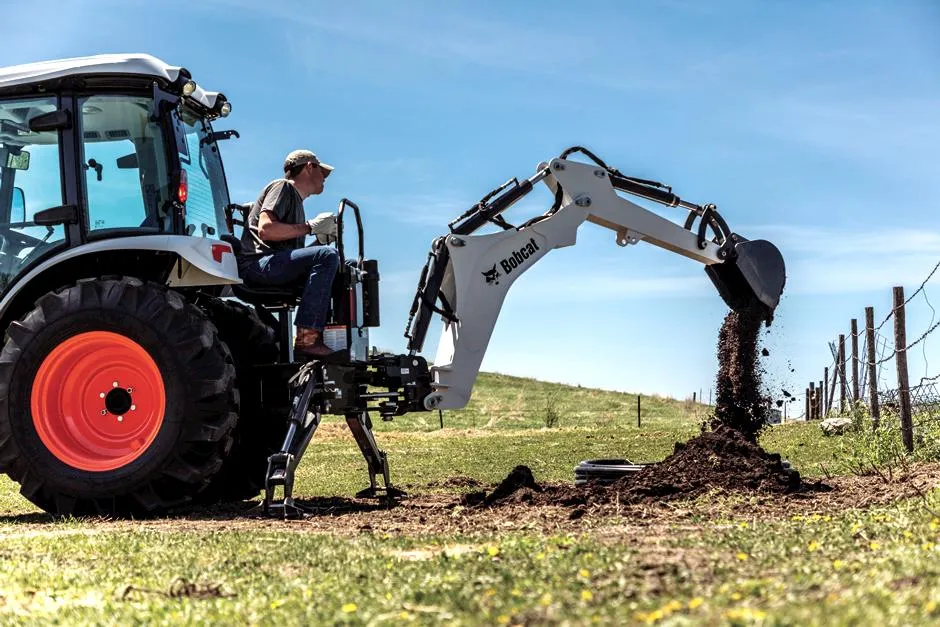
(30, 181)
(208, 193)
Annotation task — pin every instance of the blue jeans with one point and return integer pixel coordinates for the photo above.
(313, 266)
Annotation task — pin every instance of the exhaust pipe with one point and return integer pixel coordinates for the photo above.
(753, 273)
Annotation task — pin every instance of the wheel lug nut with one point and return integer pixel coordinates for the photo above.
(120, 418)
(104, 412)
(101, 395)
(114, 384)
(133, 407)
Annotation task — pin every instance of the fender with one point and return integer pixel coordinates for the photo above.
(201, 261)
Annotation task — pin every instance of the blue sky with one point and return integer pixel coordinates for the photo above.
(812, 124)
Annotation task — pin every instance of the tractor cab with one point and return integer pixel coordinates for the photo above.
(105, 148)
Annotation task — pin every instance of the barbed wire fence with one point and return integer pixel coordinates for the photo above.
(862, 378)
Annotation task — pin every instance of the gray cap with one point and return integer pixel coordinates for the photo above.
(300, 157)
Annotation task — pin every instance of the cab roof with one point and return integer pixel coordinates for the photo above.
(14, 79)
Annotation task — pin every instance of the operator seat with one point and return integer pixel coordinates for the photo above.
(276, 304)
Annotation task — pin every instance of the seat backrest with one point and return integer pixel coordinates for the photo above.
(236, 214)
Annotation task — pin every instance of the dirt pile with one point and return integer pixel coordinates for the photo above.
(723, 458)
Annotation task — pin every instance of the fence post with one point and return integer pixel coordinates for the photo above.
(900, 348)
(819, 401)
(825, 398)
(872, 367)
(806, 408)
(637, 410)
(812, 401)
(855, 390)
(841, 366)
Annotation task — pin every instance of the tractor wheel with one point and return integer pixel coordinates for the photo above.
(116, 398)
(260, 432)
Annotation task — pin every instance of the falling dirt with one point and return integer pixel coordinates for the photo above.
(740, 404)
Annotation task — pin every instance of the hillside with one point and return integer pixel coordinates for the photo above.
(507, 402)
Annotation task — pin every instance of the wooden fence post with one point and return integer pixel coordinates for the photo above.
(819, 401)
(855, 390)
(872, 367)
(638, 410)
(806, 409)
(825, 398)
(841, 366)
(812, 400)
(900, 347)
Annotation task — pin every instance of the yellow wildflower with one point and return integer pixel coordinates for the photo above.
(540, 556)
(516, 592)
(928, 546)
(586, 595)
(502, 619)
(929, 607)
(492, 551)
(837, 564)
(735, 596)
(584, 573)
(349, 608)
(874, 546)
(935, 524)
(545, 600)
(743, 525)
(742, 557)
(812, 546)
(694, 603)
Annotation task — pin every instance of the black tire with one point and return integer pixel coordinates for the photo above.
(604, 471)
(195, 370)
(259, 432)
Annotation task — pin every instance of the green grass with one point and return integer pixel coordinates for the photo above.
(695, 563)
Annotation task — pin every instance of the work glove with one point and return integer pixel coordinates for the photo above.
(323, 227)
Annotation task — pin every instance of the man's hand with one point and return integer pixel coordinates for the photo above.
(323, 227)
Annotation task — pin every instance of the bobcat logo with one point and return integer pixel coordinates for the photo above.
(491, 276)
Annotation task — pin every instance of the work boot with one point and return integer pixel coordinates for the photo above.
(308, 345)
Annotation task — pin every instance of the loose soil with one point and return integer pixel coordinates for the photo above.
(571, 510)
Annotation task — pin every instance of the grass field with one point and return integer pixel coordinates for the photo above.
(863, 553)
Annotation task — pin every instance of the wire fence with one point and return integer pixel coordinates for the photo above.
(867, 382)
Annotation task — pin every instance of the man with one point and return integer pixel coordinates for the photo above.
(273, 252)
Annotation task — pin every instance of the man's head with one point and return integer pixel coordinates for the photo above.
(306, 171)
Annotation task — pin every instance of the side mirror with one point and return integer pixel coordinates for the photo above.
(52, 121)
(19, 204)
(14, 160)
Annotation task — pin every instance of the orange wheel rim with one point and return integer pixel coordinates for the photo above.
(98, 401)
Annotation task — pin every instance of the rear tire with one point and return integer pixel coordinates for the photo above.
(76, 450)
(260, 432)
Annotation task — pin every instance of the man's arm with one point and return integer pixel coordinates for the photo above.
(270, 230)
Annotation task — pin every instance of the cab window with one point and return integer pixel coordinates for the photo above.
(127, 179)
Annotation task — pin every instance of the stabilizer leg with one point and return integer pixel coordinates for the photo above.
(302, 425)
(361, 427)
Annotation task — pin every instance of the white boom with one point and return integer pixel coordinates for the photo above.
(482, 268)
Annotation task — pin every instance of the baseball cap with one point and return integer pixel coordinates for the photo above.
(300, 157)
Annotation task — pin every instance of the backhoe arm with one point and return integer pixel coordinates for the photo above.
(467, 276)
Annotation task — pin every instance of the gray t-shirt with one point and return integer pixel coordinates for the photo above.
(284, 202)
